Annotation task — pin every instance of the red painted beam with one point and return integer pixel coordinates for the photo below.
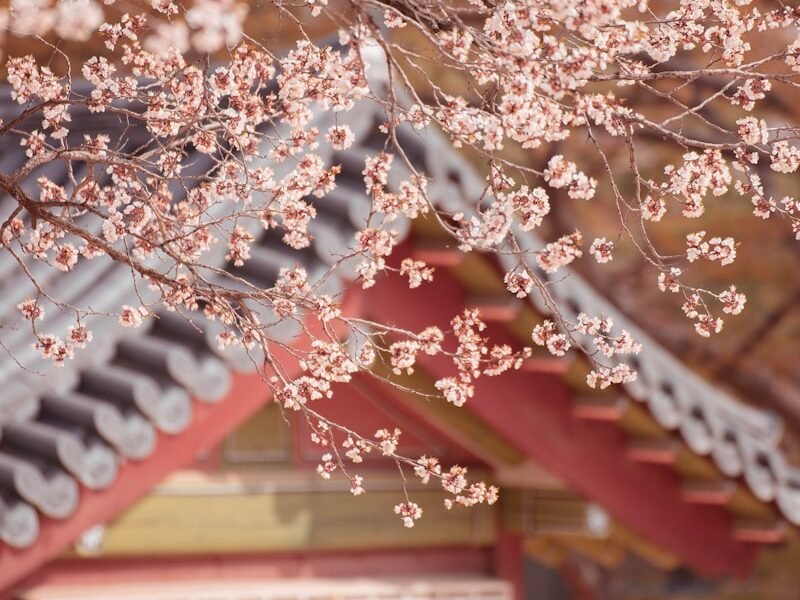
(551, 365)
(496, 309)
(761, 533)
(508, 562)
(267, 566)
(210, 424)
(534, 413)
(654, 452)
(709, 492)
(600, 409)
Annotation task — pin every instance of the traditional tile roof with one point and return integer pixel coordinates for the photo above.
(61, 427)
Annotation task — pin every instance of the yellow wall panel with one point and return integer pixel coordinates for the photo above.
(167, 524)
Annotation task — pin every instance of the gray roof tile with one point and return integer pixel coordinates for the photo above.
(74, 425)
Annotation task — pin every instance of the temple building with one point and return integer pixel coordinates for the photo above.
(155, 466)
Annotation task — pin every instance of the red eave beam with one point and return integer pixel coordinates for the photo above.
(534, 412)
(210, 424)
(376, 562)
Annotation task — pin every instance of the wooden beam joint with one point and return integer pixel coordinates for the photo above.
(715, 493)
(770, 532)
(610, 409)
(656, 452)
(547, 365)
(501, 308)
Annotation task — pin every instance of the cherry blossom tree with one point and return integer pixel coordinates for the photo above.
(226, 143)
